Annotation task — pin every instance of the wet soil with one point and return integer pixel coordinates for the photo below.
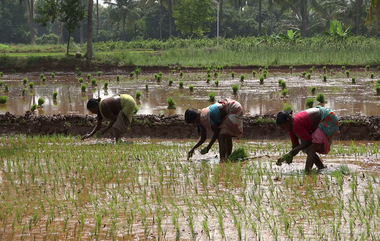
(174, 126)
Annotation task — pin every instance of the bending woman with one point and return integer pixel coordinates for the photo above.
(118, 110)
(315, 127)
(224, 118)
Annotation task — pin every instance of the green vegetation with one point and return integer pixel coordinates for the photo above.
(287, 107)
(181, 74)
(284, 92)
(283, 85)
(280, 82)
(55, 94)
(106, 85)
(31, 85)
(291, 69)
(93, 82)
(353, 80)
(138, 95)
(52, 75)
(378, 89)
(6, 88)
(41, 101)
(171, 103)
(367, 67)
(212, 97)
(235, 88)
(181, 84)
(171, 82)
(233, 74)
(208, 80)
(33, 108)
(324, 69)
(191, 88)
(321, 98)
(309, 102)
(3, 99)
(242, 77)
(238, 155)
(313, 89)
(99, 73)
(216, 83)
(132, 74)
(1, 83)
(348, 74)
(262, 80)
(254, 73)
(308, 76)
(324, 78)
(146, 87)
(84, 87)
(23, 92)
(80, 80)
(25, 81)
(118, 78)
(372, 75)
(89, 77)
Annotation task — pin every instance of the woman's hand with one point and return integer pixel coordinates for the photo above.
(190, 154)
(204, 150)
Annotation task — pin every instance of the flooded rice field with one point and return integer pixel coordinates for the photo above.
(55, 187)
(344, 97)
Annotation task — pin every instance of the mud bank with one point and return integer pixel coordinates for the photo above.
(173, 127)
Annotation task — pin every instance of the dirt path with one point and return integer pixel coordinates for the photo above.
(174, 127)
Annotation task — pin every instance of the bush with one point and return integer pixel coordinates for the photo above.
(84, 88)
(47, 39)
(41, 101)
(191, 88)
(171, 103)
(3, 99)
(34, 107)
(309, 102)
(138, 95)
(171, 82)
(235, 88)
(31, 85)
(55, 93)
(181, 84)
(321, 98)
(313, 89)
(242, 77)
(284, 92)
(211, 97)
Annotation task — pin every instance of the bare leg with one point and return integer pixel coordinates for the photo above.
(312, 157)
(229, 145)
(222, 147)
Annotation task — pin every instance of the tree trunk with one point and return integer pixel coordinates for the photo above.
(68, 45)
(304, 18)
(357, 17)
(97, 19)
(220, 17)
(31, 23)
(89, 30)
(170, 18)
(260, 18)
(81, 33)
(61, 33)
(160, 20)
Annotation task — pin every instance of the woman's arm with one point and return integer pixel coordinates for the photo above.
(215, 136)
(201, 140)
(304, 144)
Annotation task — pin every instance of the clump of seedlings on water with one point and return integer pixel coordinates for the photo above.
(3, 99)
(324, 78)
(321, 98)
(83, 87)
(171, 103)
(291, 69)
(171, 82)
(6, 88)
(348, 73)
(262, 80)
(233, 74)
(80, 80)
(254, 73)
(284, 92)
(181, 84)
(309, 102)
(138, 95)
(31, 85)
(89, 77)
(372, 75)
(313, 89)
(106, 85)
(117, 77)
(235, 88)
(191, 88)
(40, 101)
(242, 77)
(25, 81)
(367, 67)
(211, 97)
(33, 108)
(132, 74)
(216, 83)
(55, 94)
(93, 82)
(353, 80)
(99, 73)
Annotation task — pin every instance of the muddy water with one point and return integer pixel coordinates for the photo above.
(341, 95)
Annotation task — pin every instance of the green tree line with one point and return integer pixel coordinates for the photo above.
(48, 22)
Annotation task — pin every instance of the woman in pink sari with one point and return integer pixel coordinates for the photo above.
(224, 119)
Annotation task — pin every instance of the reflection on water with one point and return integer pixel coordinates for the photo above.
(344, 98)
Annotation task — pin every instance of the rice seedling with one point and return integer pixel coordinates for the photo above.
(13, 71)
(44, 79)
(132, 74)
(3, 99)
(309, 102)
(235, 88)
(260, 70)
(41, 101)
(262, 80)
(321, 98)
(324, 78)
(181, 74)
(52, 75)
(287, 107)
(304, 73)
(216, 75)
(117, 77)
(89, 77)
(353, 80)
(93, 82)
(343, 68)
(265, 75)
(55, 94)
(99, 73)
(138, 71)
(84, 87)
(233, 74)
(283, 85)
(33, 108)
(254, 73)
(311, 70)
(25, 81)
(181, 84)
(106, 85)
(1, 83)
(6, 88)
(332, 72)
(291, 69)
(159, 78)
(146, 87)
(372, 75)
(23, 92)
(41, 76)
(1, 74)
(31, 85)
(138, 95)
(173, 72)
(208, 75)
(308, 76)
(313, 89)
(284, 92)
(208, 80)
(191, 88)
(378, 89)
(79, 73)
(80, 80)
(171, 82)
(216, 83)
(367, 67)
(242, 77)
(76, 70)
(171, 103)
(348, 74)
(211, 97)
